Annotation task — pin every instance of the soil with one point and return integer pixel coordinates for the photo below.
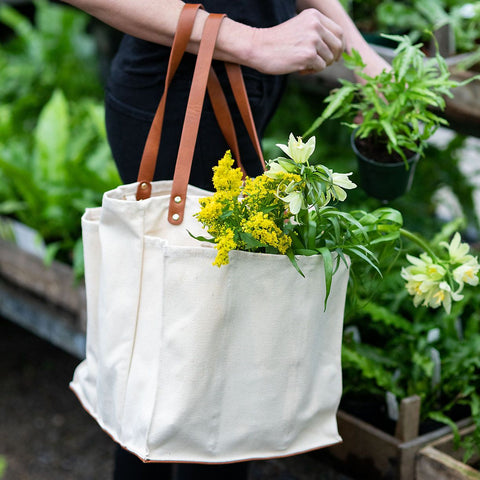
(378, 151)
(46, 435)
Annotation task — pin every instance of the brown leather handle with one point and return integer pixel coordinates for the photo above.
(192, 119)
(219, 104)
(150, 152)
(235, 76)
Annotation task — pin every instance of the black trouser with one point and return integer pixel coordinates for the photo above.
(129, 113)
(129, 467)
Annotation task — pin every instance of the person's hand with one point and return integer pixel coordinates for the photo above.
(306, 43)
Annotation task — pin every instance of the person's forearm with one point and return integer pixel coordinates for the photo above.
(352, 37)
(309, 41)
(156, 21)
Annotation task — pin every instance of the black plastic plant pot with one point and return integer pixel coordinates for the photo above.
(384, 181)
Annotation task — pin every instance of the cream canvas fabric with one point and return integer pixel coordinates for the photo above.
(190, 362)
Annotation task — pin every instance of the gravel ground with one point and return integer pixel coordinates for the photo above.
(46, 435)
(44, 432)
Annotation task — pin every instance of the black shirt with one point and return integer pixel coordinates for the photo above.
(136, 83)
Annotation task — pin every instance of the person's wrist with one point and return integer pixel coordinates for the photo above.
(237, 43)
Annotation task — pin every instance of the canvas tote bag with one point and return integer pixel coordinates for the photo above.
(187, 362)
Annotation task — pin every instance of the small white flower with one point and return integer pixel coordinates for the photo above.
(341, 182)
(467, 273)
(467, 11)
(275, 170)
(443, 295)
(297, 150)
(457, 251)
(295, 202)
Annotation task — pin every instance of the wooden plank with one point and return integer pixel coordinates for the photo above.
(409, 419)
(41, 318)
(446, 444)
(432, 464)
(445, 40)
(55, 283)
(367, 450)
(376, 454)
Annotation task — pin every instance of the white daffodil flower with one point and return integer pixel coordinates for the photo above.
(341, 182)
(297, 150)
(467, 273)
(457, 251)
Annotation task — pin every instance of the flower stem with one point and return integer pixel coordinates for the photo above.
(419, 241)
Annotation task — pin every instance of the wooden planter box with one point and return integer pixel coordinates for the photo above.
(440, 461)
(371, 453)
(46, 300)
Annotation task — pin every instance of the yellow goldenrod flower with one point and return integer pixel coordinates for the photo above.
(227, 178)
(225, 243)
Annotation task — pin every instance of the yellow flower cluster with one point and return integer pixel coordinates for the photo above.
(265, 230)
(238, 212)
(225, 243)
(226, 178)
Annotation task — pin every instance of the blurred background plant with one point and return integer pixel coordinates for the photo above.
(54, 156)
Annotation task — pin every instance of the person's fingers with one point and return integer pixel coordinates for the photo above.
(334, 44)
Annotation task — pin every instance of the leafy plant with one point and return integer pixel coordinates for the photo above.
(3, 466)
(404, 350)
(396, 105)
(48, 185)
(420, 16)
(54, 155)
(53, 51)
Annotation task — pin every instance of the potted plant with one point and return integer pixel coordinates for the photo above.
(393, 350)
(400, 109)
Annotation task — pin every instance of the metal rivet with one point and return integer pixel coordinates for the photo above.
(176, 216)
(144, 185)
(177, 199)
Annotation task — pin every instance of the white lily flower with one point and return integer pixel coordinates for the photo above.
(297, 150)
(442, 296)
(341, 182)
(457, 251)
(467, 273)
(295, 202)
(275, 170)
(424, 265)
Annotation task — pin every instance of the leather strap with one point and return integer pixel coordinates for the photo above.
(237, 83)
(192, 119)
(150, 152)
(223, 116)
(219, 104)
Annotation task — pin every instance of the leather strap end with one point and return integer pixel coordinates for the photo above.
(144, 190)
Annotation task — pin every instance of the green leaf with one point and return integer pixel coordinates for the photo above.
(442, 418)
(51, 140)
(293, 260)
(328, 266)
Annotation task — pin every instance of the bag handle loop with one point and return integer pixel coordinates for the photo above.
(192, 119)
(219, 104)
(152, 144)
